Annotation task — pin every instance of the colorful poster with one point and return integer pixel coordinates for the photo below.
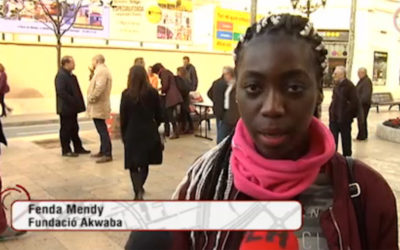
(229, 25)
(380, 68)
(28, 17)
(153, 20)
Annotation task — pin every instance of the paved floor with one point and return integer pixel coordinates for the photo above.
(41, 129)
(48, 176)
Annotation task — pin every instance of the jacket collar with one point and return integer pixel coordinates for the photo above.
(64, 71)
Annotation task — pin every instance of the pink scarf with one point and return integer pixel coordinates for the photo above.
(267, 179)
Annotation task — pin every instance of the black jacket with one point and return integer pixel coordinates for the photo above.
(139, 129)
(231, 115)
(192, 76)
(344, 105)
(364, 90)
(217, 95)
(69, 96)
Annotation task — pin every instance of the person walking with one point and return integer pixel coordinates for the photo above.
(230, 115)
(364, 92)
(69, 104)
(343, 109)
(99, 107)
(217, 95)
(186, 122)
(172, 98)
(4, 89)
(191, 73)
(140, 117)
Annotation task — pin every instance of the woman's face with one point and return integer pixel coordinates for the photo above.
(277, 94)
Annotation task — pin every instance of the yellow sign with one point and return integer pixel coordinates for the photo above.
(182, 5)
(229, 25)
(154, 14)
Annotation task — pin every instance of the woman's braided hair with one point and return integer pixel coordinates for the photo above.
(297, 26)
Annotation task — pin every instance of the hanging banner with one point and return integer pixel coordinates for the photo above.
(141, 20)
(28, 17)
(229, 25)
(132, 20)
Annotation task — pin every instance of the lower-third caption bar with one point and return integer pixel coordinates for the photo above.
(155, 215)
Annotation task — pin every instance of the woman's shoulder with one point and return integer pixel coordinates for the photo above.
(373, 184)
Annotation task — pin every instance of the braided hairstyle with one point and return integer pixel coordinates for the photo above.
(291, 25)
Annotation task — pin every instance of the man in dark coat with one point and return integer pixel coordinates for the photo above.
(343, 109)
(172, 98)
(191, 73)
(231, 111)
(217, 95)
(223, 95)
(364, 91)
(69, 104)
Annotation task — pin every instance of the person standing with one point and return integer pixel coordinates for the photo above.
(4, 89)
(140, 116)
(191, 73)
(172, 98)
(230, 115)
(217, 95)
(183, 85)
(343, 109)
(153, 79)
(69, 104)
(364, 91)
(139, 61)
(99, 107)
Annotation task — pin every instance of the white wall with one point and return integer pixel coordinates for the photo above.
(375, 31)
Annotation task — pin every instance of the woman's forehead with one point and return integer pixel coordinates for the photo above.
(264, 55)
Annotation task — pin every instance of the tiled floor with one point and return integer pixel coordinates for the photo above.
(48, 176)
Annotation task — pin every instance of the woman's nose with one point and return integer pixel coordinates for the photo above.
(273, 105)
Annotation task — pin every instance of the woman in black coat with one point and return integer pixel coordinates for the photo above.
(140, 115)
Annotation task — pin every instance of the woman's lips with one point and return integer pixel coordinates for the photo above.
(272, 140)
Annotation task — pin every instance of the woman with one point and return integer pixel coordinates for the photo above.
(280, 151)
(4, 89)
(140, 115)
(152, 77)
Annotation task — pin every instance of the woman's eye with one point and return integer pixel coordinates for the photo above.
(252, 88)
(295, 88)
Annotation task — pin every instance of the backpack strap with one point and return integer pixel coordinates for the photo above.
(355, 195)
